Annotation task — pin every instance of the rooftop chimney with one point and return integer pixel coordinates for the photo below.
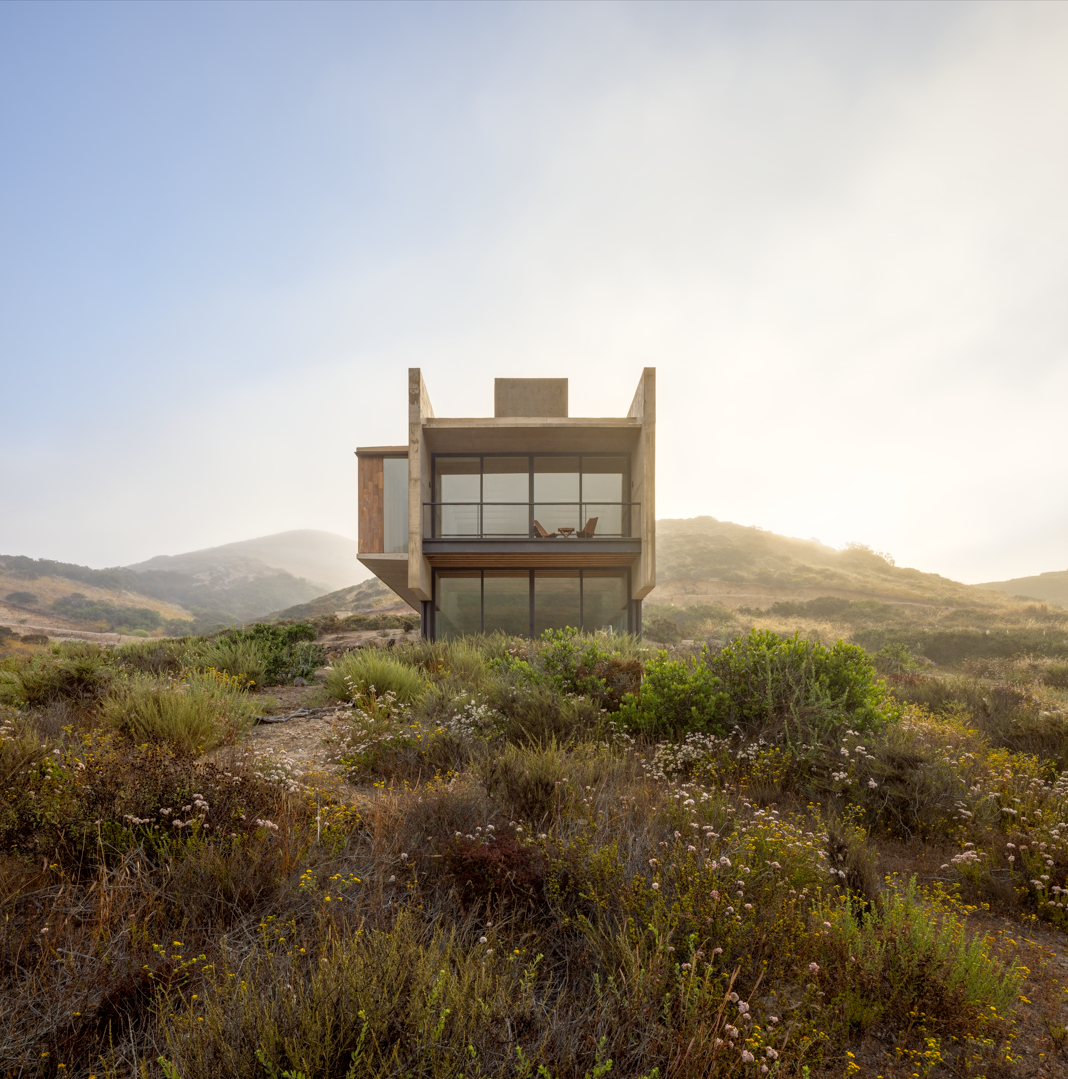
(539, 397)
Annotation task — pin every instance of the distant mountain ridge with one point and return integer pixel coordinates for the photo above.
(324, 559)
(236, 582)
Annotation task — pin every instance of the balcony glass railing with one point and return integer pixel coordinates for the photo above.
(531, 520)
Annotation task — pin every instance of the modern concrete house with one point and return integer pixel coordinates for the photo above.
(526, 521)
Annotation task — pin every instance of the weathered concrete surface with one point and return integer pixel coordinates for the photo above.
(529, 397)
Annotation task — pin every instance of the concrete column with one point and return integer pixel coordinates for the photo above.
(419, 410)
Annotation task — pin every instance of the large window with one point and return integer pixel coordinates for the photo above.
(557, 599)
(525, 602)
(506, 601)
(494, 496)
(457, 495)
(458, 605)
(505, 494)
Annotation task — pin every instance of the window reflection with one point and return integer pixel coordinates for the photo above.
(490, 496)
(521, 601)
(506, 480)
(604, 600)
(507, 602)
(458, 604)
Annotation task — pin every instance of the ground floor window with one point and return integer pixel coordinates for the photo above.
(525, 603)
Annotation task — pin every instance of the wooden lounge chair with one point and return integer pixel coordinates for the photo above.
(591, 527)
(541, 533)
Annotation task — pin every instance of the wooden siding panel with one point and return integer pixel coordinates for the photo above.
(371, 504)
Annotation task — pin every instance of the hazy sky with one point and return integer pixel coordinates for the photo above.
(839, 232)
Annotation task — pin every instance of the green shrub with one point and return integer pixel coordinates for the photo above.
(126, 619)
(662, 629)
(589, 666)
(244, 659)
(763, 681)
(358, 672)
(264, 655)
(798, 683)
(676, 696)
(288, 649)
(196, 713)
(154, 657)
(21, 599)
(74, 671)
(896, 659)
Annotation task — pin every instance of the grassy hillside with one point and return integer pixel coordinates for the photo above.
(1051, 587)
(743, 560)
(367, 597)
(76, 604)
(717, 580)
(212, 598)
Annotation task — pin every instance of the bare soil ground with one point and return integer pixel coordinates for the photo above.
(304, 747)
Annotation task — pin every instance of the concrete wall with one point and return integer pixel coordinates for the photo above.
(529, 397)
(643, 482)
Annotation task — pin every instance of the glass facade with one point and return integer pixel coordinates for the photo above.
(525, 602)
(505, 494)
(506, 601)
(458, 603)
(495, 496)
(557, 599)
(604, 600)
(457, 484)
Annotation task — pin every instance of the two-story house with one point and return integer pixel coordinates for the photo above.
(526, 521)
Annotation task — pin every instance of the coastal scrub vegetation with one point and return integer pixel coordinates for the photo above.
(572, 857)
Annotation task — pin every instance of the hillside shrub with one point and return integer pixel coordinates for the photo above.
(196, 713)
(1009, 714)
(74, 671)
(154, 657)
(359, 672)
(689, 621)
(590, 666)
(664, 630)
(266, 654)
(949, 647)
(245, 660)
(800, 688)
(798, 683)
(21, 599)
(677, 696)
(115, 617)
